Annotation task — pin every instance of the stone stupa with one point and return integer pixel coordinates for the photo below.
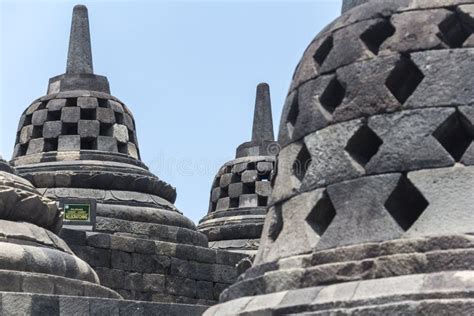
(372, 208)
(35, 263)
(241, 188)
(78, 145)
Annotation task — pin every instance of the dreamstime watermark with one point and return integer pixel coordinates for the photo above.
(168, 165)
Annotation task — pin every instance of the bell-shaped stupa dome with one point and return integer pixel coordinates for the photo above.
(372, 208)
(241, 188)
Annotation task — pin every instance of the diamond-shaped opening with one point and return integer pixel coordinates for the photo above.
(122, 148)
(332, 96)
(69, 129)
(455, 135)
(301, 163)
(406, 203)
(363, 145)
(453, 32)
(404, 79)
(323, 51)
(234, 203)
(88, 144)
(276, 222)
(53, 116)
(51, 144)
(376, 34)
(292, 116)
(88, 114)
(321, 215)
(37, 132)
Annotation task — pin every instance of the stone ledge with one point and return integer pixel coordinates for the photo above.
(443, 289)
(53, 305)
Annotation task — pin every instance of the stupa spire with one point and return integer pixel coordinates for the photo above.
(262, 119)
(79, 59)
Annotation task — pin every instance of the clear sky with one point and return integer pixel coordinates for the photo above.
(186, 69)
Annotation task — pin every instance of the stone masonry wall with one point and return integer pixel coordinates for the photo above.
(151, 270)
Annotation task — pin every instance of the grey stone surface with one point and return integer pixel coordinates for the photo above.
(449, 83)
(448, 191)
(329, 161)
(88, 128)
(52, 129)
(368, 196)
(79, 59)
(408, 141)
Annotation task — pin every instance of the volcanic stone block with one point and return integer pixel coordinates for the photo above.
(227, 179)
(56, 104)
(154, 283)
(106, 143)
(450, 83)
(249, 176)
(39, 117)
(264, 166)
(248, 200)
(365, 92)
(69, 142)
(128, 121)
(111, 278)
(121, 260)
(329, 161)
(70, 114)
(368, 196)
(445, 189)
(52, 129)
(132, 150)
(263, 188)
(134, 281)
(408, 141)
(297, 234)
(32, 108)
(116, 106)
(239, 167)
(181, 286)
(215, 194)
(236, 189)
(25, 134)
(35, 146)
(223, 204)
(417, 31)
(286, 184)
(105, 115)
(36, 284)
(348, 46)
(120, 132)
(87, 103)
(205, 290)
(88, 129)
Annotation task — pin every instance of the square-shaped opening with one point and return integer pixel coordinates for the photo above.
(88, 114)
(69, 129)
(87, 144)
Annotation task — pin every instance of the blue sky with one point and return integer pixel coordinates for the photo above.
(186, 69)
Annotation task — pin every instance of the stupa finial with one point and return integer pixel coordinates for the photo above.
(79, 59)
(262, 118)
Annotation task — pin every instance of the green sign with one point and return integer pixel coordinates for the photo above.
(77, 212)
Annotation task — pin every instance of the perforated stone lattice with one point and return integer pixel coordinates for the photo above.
(76, 123)
(242, 185)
